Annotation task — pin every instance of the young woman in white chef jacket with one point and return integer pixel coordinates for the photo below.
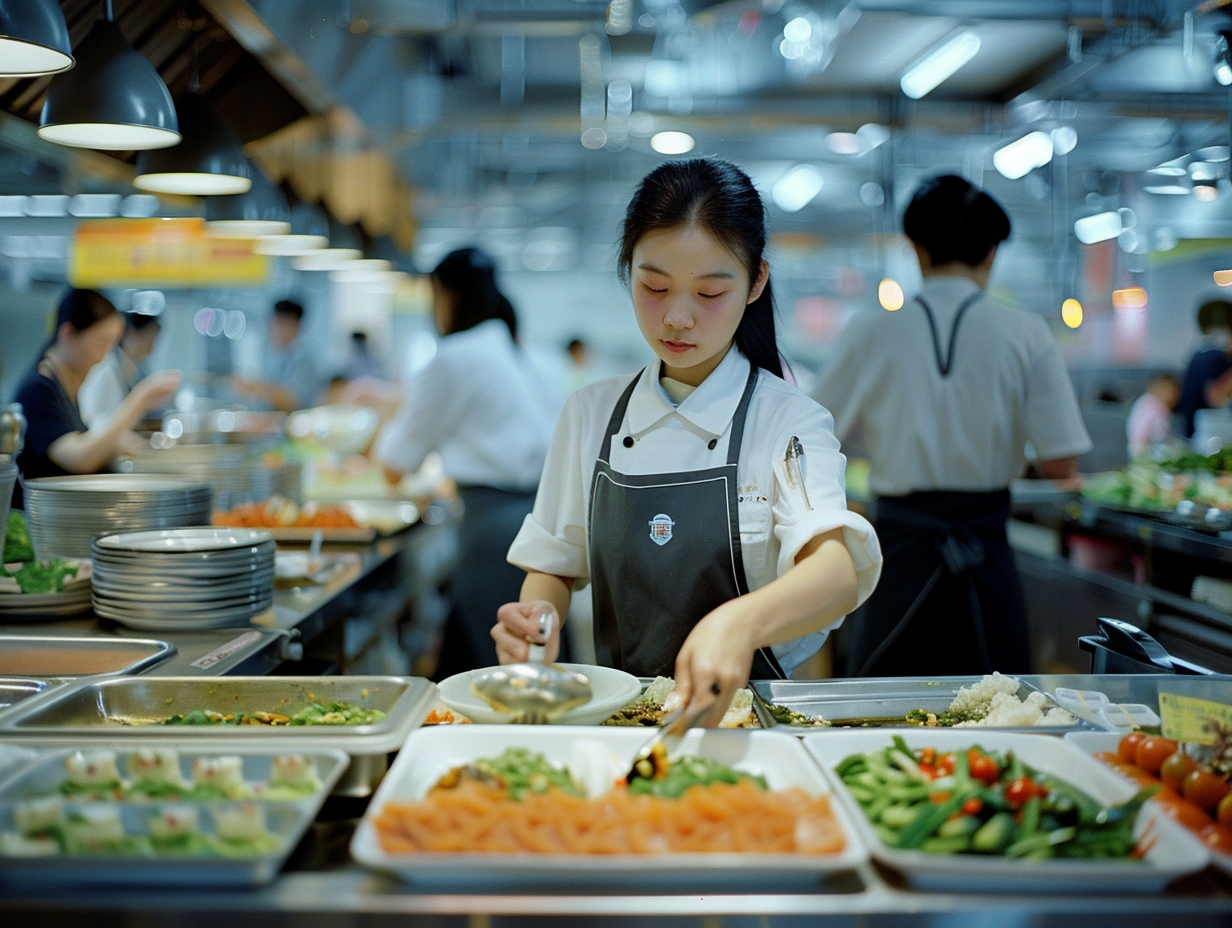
(702, 497)
(479, 405)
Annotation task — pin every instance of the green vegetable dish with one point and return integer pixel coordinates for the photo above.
(42, 576)
(984, 802)
(315, 713)
(17, 539)
(685, 772)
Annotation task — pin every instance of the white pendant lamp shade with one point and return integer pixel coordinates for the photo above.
(33, 38)
(112, 100)
(290, 245)
(260, 212)
(209, 162)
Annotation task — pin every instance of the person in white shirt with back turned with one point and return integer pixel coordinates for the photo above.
(478, 404)
(946, 393)
(112, 379)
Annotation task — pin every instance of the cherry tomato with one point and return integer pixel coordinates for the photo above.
(1188, 814)
(945, 765)
(928, 756)
(939, 798)
(1023, 789)
(1205, 789)
(972, 806)
(1152, 752)
(1127, 770)
(983, 767)
(1128, 746)
(1224, 813)
(1178, 766)
(1218, 838)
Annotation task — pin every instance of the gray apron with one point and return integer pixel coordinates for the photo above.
(664, 553)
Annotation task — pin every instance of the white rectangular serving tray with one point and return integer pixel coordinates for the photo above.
(287, 820)
(431, 752)
(1094, 742)
(1174, 854)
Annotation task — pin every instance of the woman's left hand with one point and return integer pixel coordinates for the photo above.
(715, 661)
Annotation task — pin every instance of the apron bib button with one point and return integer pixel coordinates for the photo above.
(628, 442)
(712, 444)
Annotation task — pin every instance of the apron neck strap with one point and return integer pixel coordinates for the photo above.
(618, 416)
(742, 412)
(946, 360)
(737, 429)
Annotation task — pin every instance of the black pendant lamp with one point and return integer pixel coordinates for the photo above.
(33, 38)
(112, 100)
(260, 212)
(209, 162)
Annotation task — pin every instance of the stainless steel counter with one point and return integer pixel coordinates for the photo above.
(260, 648)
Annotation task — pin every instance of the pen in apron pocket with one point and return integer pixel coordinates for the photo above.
(795, 464)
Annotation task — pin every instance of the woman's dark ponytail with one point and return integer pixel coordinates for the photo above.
(718, 197)
(470, 275)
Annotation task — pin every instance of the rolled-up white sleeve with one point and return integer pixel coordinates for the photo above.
(800, 515)
(420, 422)
(552, 539)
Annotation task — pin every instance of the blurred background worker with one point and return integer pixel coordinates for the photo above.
(88, 328)
(479, 404)
(1150, 418)
(1207, 383)
(114, 377)
(362, 362)
(946, 393)
(291, 377)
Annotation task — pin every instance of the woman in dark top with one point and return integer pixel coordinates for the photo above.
(88, 327)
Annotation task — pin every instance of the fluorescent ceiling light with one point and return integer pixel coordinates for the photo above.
(890, 294)
(1064, 139)
(1223, 278)
(1071, 313)
(939, 64)
(290, 245)
(793, 191)
(1098, 228)
(871, 135)
(1169, 170)
(672, 143)
(1206, 189)
(247, 228)
(844, 143)
(1167, 189)
(1129, 300)
(1017, 159)
(328, 259)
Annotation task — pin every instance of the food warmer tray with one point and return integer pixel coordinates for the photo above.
(56, 656)
(883, 698)
(14, 690)
(286, 819)
(120, 710)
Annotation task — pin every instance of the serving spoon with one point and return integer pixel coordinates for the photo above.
(533, 693)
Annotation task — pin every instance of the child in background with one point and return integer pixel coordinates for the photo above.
(1150, 418)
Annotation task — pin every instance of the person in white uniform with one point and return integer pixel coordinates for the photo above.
(702, 497)
(112, 379)
(478, 405)
(946, 392)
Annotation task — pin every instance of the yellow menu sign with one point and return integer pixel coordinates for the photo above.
(1187, 719)
(161, 252)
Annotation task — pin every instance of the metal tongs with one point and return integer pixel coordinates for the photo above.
(651, 760)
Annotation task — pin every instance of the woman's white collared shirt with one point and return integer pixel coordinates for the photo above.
(777, 517)
(478, 404)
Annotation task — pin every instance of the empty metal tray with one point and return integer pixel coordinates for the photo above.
(876, 702)
(57, 656)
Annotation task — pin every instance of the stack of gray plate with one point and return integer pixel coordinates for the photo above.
(65, 513)
(184, 578)
(236, 473)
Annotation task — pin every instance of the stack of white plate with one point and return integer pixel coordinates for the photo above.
(185, 578)
(65, 513)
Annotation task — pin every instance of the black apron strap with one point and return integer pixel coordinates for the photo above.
(946, 360)
(618, 416)
(737, 425)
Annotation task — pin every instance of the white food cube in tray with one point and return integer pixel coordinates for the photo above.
(430, 753)
(100, 837)
(1172, 854)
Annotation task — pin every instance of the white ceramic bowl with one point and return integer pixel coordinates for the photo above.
(611, 688)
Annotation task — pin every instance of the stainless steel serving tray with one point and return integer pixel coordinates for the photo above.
(875, 698)
(286, 819)
(123, 710)
(55, 656)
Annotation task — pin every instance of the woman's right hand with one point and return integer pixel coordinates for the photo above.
(518, 627)
(157, 390)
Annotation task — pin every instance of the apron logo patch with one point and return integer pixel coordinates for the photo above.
(661, 529)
